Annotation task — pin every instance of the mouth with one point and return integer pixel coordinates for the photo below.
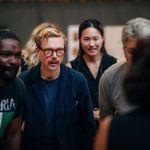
(53, 63)
(92, 49)
(12, 71)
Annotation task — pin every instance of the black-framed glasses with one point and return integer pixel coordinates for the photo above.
(49, 52)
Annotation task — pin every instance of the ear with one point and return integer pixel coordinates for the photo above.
(37, 51)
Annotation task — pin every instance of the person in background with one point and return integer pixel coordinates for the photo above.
(111, 97)
(92, 60)
(12, 92)
(58, 111)
(131, 131)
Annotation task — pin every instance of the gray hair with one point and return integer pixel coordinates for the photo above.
(136, 28)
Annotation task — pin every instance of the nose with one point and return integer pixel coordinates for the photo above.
(54, 54)
(14, 60)
(91, 43)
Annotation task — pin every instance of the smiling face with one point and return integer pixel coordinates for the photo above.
(10, 59)
(91, 41)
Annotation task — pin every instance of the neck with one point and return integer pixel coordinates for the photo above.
(88, 58)
(50, 75)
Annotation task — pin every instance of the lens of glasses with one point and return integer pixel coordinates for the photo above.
(59, 52)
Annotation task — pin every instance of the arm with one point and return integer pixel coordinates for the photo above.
(101, 141)
(12, 137)
(105, 96)
(96, 113)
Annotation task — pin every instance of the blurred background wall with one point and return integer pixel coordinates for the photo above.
(22, 16)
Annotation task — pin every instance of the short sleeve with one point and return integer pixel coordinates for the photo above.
(20, 97)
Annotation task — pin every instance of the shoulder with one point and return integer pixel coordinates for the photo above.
(32, 72)
(114, 69)
(73, 79)
(24, 74)
(122, 124)
(107, 61)
(72, 75)
(110, 57)
(20, 88)
(101, 141)
(75, 63)
(112, 74)
(19, 83)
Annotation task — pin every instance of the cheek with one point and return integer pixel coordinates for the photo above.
(61, 59)
(99, 44)
(3, 61)
(128, 58)
(100, 41)
(84, 44)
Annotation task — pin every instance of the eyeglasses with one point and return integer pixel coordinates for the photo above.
(49, 52)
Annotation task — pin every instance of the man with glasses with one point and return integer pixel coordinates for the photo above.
(12, 92)
(58, 113)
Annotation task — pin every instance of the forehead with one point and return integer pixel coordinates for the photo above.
(130, 43)
(10, 44)
(53, 42)
(90, 31)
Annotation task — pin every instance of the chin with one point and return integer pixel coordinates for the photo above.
(9, 79)
(53, 68)
(92, 54)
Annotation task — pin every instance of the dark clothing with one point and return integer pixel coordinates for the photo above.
(80, 65)
(49, 130)
(130, 131)
(75, 126)
(24, 66)
(12, 97)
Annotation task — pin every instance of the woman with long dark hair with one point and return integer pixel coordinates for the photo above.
(92, 59)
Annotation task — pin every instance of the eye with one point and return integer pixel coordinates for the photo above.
(86, 39)
(95, 38)
(60, 49)
(9, 54)
(131, 50)
(5, 54)
(18, 55)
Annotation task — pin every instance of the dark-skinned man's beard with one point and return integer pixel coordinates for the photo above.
(8, 73)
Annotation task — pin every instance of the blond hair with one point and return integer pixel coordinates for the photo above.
(43, 30)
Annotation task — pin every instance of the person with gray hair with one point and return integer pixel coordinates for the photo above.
(111, 97)
(126, 131)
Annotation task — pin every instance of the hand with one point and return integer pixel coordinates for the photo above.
(96, 113)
